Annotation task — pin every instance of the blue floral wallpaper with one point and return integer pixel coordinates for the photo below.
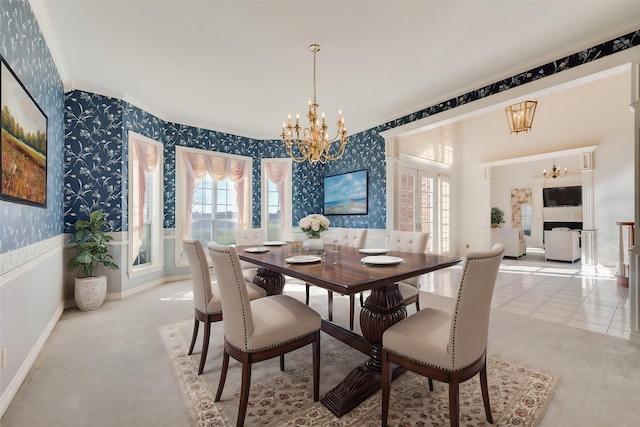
(25, 50)
(93, 166)
(87, 159)
(96, 159)
(365, 150)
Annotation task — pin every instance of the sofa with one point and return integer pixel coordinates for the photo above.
(514, 245)
(562, 244)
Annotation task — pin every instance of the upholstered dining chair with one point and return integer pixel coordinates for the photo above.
(448, 347)
(260, 329)
(347, 237)
(409, 241)
(206, 297)
(250, 236)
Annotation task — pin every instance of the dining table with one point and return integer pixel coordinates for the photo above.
(347, 271)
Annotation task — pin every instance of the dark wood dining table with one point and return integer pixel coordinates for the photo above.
(348, 276)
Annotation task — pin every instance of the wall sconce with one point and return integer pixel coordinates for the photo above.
(520, 116)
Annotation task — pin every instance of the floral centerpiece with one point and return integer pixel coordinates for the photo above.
(313, 225)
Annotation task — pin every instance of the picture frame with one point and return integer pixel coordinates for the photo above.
(23, 169)
(347, 193)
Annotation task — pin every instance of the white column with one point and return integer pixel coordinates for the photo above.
(589, 233)
(392, 154)
(634, 253)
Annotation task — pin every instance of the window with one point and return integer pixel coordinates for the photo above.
(276, 198)
(424, 205)
(214, 214)
(408, 200)
(525, 212)
(274, 211)
(213, 196)
(427, 210)
(145, 205)
(445, 214)
(146, 250)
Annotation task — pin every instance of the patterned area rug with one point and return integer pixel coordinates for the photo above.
(519, 394)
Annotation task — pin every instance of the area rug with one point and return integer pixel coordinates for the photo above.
(519, 394)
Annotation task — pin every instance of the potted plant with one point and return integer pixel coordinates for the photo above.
(497, 217)
(90, 242)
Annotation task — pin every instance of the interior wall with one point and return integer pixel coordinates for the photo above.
(596, 113)
(31, 241)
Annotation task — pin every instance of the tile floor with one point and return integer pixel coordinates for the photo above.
(564, 293)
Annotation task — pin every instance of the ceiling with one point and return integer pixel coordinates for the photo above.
(242, 66)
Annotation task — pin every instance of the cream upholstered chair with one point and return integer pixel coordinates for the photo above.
(348, 237)
(206, 297)
(447, 347)
(562, 244)
(250, 236)
(260, 329)
(513, 240)
(409, 241)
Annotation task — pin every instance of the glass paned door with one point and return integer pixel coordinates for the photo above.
(417, 203)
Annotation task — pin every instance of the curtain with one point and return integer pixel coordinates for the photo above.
(278, 172)
(144, 160)
(218, 167)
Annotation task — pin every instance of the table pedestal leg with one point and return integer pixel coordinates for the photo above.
(383, 308)
(269, 280)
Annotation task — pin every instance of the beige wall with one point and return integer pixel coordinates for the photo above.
(596, 113)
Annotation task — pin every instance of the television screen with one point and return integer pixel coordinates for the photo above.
(554, 197)
(346, 194)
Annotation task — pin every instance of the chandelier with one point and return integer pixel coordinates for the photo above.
(555, 172)
(520, 116)
(313, 143)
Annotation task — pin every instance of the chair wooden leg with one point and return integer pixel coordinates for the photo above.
(430, 384)
(223, 375)
(316, 367)
(352, 303)
(330, 305)
(386, 387)
(205, 345)
(418, 302)
(306, 299)
(454, 403)
(282, 362)
(485, 393)
(244, 390)
(196, 325)
(361, 299)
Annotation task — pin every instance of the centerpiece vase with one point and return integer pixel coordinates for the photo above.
(313, 244)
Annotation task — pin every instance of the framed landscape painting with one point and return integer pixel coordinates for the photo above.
(346, 194)
(23, 177)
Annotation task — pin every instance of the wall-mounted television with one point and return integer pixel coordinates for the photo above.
(556, 197)
(346, 194)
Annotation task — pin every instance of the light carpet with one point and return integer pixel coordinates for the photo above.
(519, 394)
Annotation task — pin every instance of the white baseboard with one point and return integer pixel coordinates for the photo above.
(634, 338)
(114, 296)
(26, 365)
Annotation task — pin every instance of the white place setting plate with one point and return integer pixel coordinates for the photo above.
(382, 260)
(274, 243)
(303, 259)
(257, 250)
(372, 251)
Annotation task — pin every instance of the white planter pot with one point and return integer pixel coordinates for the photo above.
(90, 292)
